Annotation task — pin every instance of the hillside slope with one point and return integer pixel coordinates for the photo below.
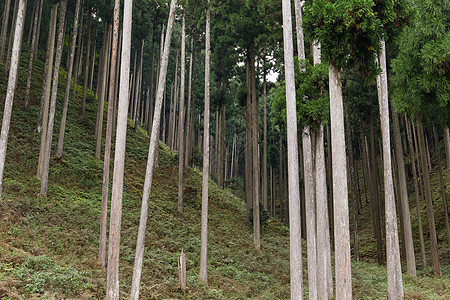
(49, 246)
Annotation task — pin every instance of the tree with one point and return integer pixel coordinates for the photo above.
(294, 190)
(181, 117)
(51, 116)
(109, 129)
(59, 151)
(12, 82)
(112, 289)
(205, 179)
(154, 140)
(4, 31)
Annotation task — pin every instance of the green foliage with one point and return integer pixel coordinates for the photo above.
(422, 67)
(313, 104)
(41, 273)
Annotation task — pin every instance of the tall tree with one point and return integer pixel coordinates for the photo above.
(62, 128)
(181, 117)
(4, 31)
(109, 129)
(294, 189)
(205, 179)
(394, 270)
(51, 115)
(12, 82)
(154, 141)
(112, 288)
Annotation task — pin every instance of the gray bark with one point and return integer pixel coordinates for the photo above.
(12, 82)
(340, 190)
(112, 288)
(394, 270)
(294, 189)
(4, 29)
(62, 128)
(407, 231)
(181, 118)
(51, 115)
(109, 129)
(86, 63)
(154, 141)
(43, 113)
(255, 147)
(32, 56)
(204, 224)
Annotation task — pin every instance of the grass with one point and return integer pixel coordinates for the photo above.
(49, 246)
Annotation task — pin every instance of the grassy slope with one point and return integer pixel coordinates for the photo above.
(49, 246)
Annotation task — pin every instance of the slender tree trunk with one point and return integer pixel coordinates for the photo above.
(444, 198)
(429, 201)
(416, 192)
(255, 127)
(340, 191)
(138, 85)
(12, 82)
(181, 118)
(373, 169)
(91, 76)
(204, 224)
(248, 143)
(394, 270)
(264, 168)
(86, 63)
(188, 112)
(4, 31)
(407, 231)
(447, 151)
(294, 189)
(43, 113)
(134, 294)
(102, 96)
(51, 116)
(109, 129)
(33, 47)
(11, 38)
(78, 57)
(330, 185)
(149, 119)
(62, 128)
(112, 290)
(33, 17)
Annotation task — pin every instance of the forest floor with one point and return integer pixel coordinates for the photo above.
(49, 246)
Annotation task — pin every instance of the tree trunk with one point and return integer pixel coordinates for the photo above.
(248, 143)
(181, 118)
(4, 31)
(444, 199)
(373, 171)
(33, 50)
(188, 112)
(407, 231)
(43, 112)
(416, 192)
(429, 201)
(264, 168)
(447, 151)
(33, 17)
(86, 63)
(204, 224)
(12, 82)
(11, 38)
(109, 129)
(102, 95)
(91, 76)
(154, 141)
(295, 260)
(255, 127)
(149, 119)
(394, 270)
(78, 58)
(112, 290)
(62, 128)
(340, 191)
(51, 116)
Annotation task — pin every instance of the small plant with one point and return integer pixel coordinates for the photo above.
(41, 273)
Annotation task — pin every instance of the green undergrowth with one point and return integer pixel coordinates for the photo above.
(49, 246)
